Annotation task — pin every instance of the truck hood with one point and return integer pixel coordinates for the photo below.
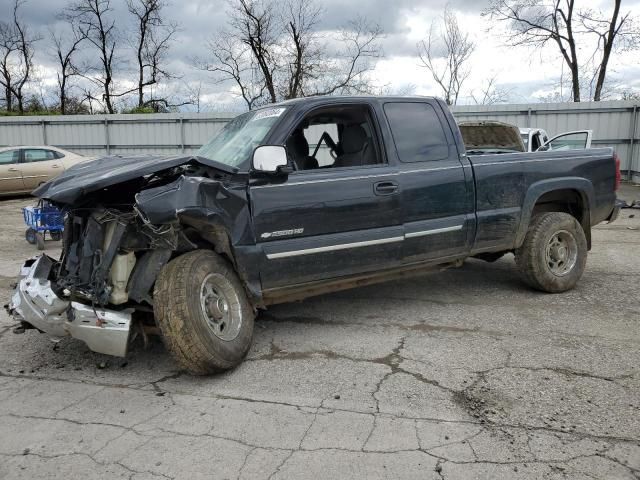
(491, 136)
(92, 175)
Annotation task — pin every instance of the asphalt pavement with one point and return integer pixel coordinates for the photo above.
(459, 374)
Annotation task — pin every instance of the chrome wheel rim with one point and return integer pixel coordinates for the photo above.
(561, 253)
(218, 309)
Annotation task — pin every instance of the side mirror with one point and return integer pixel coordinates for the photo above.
(270, 159)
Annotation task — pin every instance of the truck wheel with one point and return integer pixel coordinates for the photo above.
(554, 252)
(203, 312)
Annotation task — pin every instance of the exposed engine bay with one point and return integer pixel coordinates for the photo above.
(119, 233)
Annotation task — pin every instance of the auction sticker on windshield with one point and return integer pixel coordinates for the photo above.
(267, 113)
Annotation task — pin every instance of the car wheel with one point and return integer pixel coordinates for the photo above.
(30, 236)
(203, 312)
(553, 255)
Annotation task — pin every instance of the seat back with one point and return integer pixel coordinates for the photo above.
(356, 150)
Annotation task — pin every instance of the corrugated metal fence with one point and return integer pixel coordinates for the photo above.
(614, 124)
(168, 133)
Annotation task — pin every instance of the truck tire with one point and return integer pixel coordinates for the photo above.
(554, 252)
(203, 312)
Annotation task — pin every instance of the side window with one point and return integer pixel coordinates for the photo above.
(9, 157)
(38, 155)
(570, 141)
(334, 137)
(57, 154)
(417, 132)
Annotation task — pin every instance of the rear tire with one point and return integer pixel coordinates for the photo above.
(203, 312)
(553, 255)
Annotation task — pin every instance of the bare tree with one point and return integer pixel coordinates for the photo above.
(614, 31)
(540, 22)
(300, 20)
(233, 61)
(491, 93)
(65, 50)
(92, 20)
(152, 41)
(8, 46)
(347, 70)
(16, 58)
(445, 54)
(254, 25)
(273, 52)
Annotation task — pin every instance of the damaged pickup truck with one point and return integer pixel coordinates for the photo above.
(292, 200)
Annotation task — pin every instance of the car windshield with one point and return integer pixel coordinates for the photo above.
(525, 140)
(234, 144)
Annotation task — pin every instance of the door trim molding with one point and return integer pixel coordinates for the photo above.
(331, 248)
(364, 243)
(434, 231)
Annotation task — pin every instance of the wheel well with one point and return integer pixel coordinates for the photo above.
(569, 201)
(215, 239)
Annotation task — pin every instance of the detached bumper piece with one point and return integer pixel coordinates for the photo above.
(35, 302)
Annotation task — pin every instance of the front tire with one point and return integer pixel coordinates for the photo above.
(203, 312)
(30, 235)
(553, 255)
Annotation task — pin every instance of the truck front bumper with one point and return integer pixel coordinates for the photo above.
(35, 302)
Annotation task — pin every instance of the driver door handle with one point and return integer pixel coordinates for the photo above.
(385, 188)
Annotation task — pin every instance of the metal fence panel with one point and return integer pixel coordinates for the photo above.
(614, 124)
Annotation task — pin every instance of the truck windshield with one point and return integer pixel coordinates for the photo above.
(234, 144)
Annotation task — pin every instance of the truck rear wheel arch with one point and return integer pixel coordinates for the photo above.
(569, 195)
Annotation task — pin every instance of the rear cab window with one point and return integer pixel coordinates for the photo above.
(417, 131)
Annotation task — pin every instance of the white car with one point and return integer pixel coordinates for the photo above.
(536, 138)
(23, 168)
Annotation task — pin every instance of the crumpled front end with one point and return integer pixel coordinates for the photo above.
(36, 303)
(118, 236)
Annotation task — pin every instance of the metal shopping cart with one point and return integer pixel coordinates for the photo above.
(41, 220)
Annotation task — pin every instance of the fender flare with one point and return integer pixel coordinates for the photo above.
(583, 186)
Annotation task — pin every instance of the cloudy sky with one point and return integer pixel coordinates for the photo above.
(526, 74)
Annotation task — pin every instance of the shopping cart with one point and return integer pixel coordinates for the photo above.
(41, 220)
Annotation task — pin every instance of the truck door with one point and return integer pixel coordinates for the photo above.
(437, 188)
(339, 213)
(577, 140)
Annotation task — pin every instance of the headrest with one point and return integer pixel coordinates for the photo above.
(353, 138)
(297, 144)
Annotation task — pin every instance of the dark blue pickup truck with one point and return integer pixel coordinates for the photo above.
(292, 200)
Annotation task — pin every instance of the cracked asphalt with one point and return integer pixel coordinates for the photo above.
(459, 374)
